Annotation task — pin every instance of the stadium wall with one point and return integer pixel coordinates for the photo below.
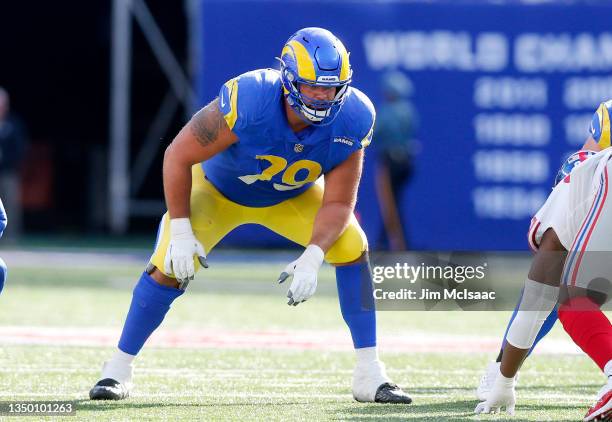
(504, 92)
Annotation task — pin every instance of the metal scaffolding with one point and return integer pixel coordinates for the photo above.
(125, 179)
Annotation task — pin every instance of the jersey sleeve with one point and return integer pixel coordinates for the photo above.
(368, 119)
(367, 139)
(600, 124)
(354, 129)
(238, 101)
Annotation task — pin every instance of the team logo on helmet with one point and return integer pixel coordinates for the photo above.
(314, 56)
(600, 124)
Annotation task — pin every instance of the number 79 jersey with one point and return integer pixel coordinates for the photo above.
(270, 163)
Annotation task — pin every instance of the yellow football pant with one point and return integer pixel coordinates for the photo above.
(213, 216)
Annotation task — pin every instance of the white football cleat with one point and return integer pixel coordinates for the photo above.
(372, 385)
(115, 383)
(488, 380)
(602, 409)
(605, 389)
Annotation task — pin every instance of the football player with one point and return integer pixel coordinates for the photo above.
(253, 155)
(539, 238)
(572, 231)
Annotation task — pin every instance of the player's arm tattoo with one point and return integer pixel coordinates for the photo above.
(206, 124)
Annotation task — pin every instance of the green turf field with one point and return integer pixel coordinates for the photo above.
(251, 383)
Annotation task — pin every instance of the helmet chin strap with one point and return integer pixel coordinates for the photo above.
(314, 115)
(310, 115)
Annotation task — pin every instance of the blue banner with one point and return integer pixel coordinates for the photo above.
(503, 92)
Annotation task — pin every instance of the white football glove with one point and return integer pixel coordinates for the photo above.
(179, 256)
(304, 271)
(502, 395)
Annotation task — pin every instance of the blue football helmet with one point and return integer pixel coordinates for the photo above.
(571, 162)
(314, 56)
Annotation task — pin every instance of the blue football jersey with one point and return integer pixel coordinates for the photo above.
(270, 163)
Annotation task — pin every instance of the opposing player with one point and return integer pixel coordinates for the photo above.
(541, 240)
(252, 156)
(574, 253)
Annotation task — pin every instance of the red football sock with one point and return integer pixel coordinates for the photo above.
(590, 329)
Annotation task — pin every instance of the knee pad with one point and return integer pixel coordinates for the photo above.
(538, 301)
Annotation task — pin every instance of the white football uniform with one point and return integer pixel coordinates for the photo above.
(579, 211)
(550, 215)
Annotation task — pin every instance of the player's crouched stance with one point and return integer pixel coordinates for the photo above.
(252, 156)
(571, 270)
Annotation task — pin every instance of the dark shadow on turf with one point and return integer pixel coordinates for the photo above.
(461, 410)
(579, 388)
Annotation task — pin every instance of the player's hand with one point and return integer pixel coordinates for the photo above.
(304, 271)
(502, 395)
(181, 250)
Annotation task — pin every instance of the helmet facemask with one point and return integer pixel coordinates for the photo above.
(313, 111)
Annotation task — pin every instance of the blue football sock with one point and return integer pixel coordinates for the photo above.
(3, 273)
(150, 302)
(357, 302)
(549, 322)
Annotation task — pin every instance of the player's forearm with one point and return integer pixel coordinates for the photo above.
(331, 220)
(204, 136)
(512, 360)
(177, 184)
